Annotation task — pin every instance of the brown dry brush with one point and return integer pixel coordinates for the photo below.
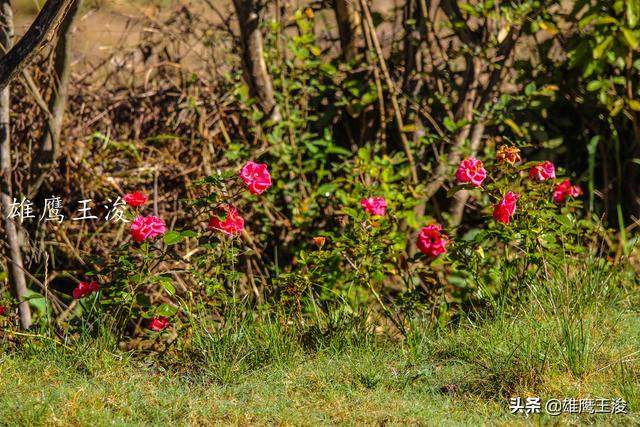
(139, 120)
(157, 117)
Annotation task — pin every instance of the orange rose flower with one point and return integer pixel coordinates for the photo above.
(507, 154)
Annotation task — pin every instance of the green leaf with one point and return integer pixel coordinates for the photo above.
(167, 285)
(630, 38)
(633, 12)
(634, 105)
(36, 301)
(326, 189)
(596, 19)
(530, 88)
(172, 237)
(514, 127)
(619, 80)
(594, 85)
(552, 143)
(604, 20)
(369, 98)
(143, 300)
(166, 310)
(449, 124)
(602, 47)
(334, 149)
(617, 106)
(468, 8)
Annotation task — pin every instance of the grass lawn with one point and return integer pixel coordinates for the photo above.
(358, 387)
(575, 336)
(458, 378)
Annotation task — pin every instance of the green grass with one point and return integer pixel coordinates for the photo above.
(577, 335)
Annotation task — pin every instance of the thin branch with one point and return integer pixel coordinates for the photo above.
(392, 89)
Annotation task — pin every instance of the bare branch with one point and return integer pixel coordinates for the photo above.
(41, 31)
(392, 89)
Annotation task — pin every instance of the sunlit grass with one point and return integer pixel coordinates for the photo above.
(461, 377)
(577, 335)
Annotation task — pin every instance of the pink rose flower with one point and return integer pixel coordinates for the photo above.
(232, 224)
(503, 211)
(543, 171)
(135, 199)
(471, 170)
(431, 241)
(564, 190)
(256, 176)
(147, 227)
(85, 288)
(158, 324)
(374, 205)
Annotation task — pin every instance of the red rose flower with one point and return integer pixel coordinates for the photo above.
(3, 310)
(85, 288)
(158, 324)
(503, 211)
(471, 170)
(431, 241)
(374, 205)
(256, 176)
(147, 227)
(564, 190)
(135, 199)
(543, 171)
(232, 224)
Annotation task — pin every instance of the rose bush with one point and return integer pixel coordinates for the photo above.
(370, 249)
(142, 265)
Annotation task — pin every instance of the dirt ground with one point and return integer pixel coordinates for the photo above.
(108, 25)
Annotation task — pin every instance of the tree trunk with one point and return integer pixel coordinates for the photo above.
(255, 68)
(58, 103)
(15, 265)
(349, 27)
